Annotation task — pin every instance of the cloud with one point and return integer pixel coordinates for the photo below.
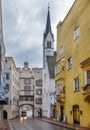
(24, 22)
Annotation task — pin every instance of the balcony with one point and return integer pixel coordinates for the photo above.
(86, 93)
(85, 63)
(60, 69)
(61, 98)
(60, 75)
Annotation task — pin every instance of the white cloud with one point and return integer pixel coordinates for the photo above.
(24, 23)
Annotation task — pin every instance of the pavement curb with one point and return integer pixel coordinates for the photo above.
(55, 123)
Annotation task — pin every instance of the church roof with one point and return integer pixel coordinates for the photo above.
(51, 64)
(48, 25)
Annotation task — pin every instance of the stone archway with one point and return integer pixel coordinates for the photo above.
(28, 108)
(5, 114)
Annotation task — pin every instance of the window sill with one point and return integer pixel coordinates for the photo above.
(69, 68)
(76, 90)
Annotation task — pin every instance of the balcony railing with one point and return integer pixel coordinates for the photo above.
(86, 93)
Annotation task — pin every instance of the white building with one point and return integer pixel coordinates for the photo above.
(3, 99)
(31, 89)
(12, 89)
(48, 69)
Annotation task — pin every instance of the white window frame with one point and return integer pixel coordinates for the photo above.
(27, 81)
(76, 84)
(76, 32)
(86, 77)
(69, 63)
(57, 68)
(7, 76)
(61, 50)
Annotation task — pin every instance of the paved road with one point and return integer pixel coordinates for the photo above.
(33, 124)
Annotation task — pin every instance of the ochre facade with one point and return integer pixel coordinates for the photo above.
(73, 77)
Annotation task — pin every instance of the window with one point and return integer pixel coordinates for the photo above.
(48, 44)
(26, 93)
(32, 98)
(21, 98)
(27, 81)
(39, 82)
(26, 99)
(61, 50)
(76, 84)
(27, 88)
(76, 32)
(38, 100)
(59, 89)
(57, 69)
(39, 91)
(69, 64)
(7, 88)
(88, 77)
(7, 76)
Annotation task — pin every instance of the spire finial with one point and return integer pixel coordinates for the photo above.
(48, 5)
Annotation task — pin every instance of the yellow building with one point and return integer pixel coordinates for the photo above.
(72, 69)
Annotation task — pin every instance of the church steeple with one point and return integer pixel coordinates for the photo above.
(48, 40)
(48, 23)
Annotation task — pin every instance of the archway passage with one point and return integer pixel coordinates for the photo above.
(4, 114)
(28, 109)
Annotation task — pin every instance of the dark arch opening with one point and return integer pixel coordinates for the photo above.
(4, 114)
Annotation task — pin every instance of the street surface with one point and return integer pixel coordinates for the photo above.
(33, 124)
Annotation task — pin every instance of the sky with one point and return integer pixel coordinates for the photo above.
(24, 23)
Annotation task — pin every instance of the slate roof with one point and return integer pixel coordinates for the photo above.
(48, 26)
(51, 64)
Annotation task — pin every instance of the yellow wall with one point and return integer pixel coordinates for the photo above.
(79, 50)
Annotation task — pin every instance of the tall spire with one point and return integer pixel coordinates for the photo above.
(48, 23)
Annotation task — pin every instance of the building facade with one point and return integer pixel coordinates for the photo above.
(31, 88)
(72, 67)
(48, 69)
(3, 99)
(11, 110)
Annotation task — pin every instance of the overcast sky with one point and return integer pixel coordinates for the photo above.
(24, 22)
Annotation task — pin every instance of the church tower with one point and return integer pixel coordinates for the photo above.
(48, 68)
(48, 39)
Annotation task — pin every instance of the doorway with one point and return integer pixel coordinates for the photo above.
(62, 112)
(76, 115)
(4, 114)
(40, 112)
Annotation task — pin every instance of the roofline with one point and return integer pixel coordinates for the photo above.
(61, 22)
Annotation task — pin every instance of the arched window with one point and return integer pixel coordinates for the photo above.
(48, 44)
